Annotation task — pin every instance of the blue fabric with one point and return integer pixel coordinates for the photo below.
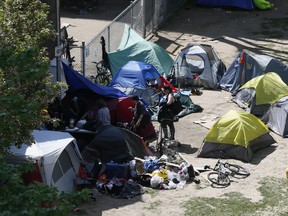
(77, 81)
(134, 75)
(244, 4)
(151, 165)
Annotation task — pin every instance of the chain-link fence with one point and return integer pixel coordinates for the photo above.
(144, 16)
(78, 57)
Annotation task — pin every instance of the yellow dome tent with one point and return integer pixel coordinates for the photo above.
(238, 135)
(259, 93)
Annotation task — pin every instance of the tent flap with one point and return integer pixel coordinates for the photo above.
(77, 81)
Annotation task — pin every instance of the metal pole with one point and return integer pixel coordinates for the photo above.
(109, 39)
(153, 16)
(131, 15)
(143, 18)
(58, 58)
(83, 58)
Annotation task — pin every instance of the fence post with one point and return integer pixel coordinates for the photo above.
(143, 8)
(109, 39)
(131, 15)
(153, 17)
(83, 58)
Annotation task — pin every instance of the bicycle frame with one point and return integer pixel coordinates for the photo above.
(103, 72)
(152, 96)
(222, 171)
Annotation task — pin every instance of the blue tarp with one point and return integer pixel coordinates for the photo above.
(77, 81)
(134, 75)
(244, 4)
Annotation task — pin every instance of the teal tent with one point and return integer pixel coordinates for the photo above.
(135, 48)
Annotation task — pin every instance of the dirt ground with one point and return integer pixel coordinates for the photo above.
(228, 31)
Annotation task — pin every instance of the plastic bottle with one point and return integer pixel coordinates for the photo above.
(132, 165)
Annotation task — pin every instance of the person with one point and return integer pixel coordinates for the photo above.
(78, 111)
(166, 115)
(141, 116)
(103, 117)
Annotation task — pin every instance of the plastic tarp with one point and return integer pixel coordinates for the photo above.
(133, 47)
(269, 88)
(243, 4)
(77, 81)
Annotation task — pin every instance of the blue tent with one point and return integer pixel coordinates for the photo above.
(247, 66)
(243, 4)
(135, 74)
(77, 81)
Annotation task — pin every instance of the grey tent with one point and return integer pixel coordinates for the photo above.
(199, 65)
(247, 66)
(56, 157)
(276, 117)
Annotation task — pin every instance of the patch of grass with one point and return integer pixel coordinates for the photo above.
(273, 190)
(153, 205)
(151, 192)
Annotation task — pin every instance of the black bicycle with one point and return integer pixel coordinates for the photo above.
(222, 171)
(165, 145)
(103, 74)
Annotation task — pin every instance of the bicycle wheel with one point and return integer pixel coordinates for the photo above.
(92, 79)
(238, 170)
(219, 179)
(102, 79)
(151, 96)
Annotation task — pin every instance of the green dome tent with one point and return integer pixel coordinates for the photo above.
(135, 48)
(238, 135)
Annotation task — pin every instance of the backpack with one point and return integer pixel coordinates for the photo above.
(177, 106)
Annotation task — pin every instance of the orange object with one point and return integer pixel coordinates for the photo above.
(242, 58)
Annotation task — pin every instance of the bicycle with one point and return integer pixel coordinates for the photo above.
(222, 171)
(165, 145)
(103, 72)
(151, 96)
(103, 76)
